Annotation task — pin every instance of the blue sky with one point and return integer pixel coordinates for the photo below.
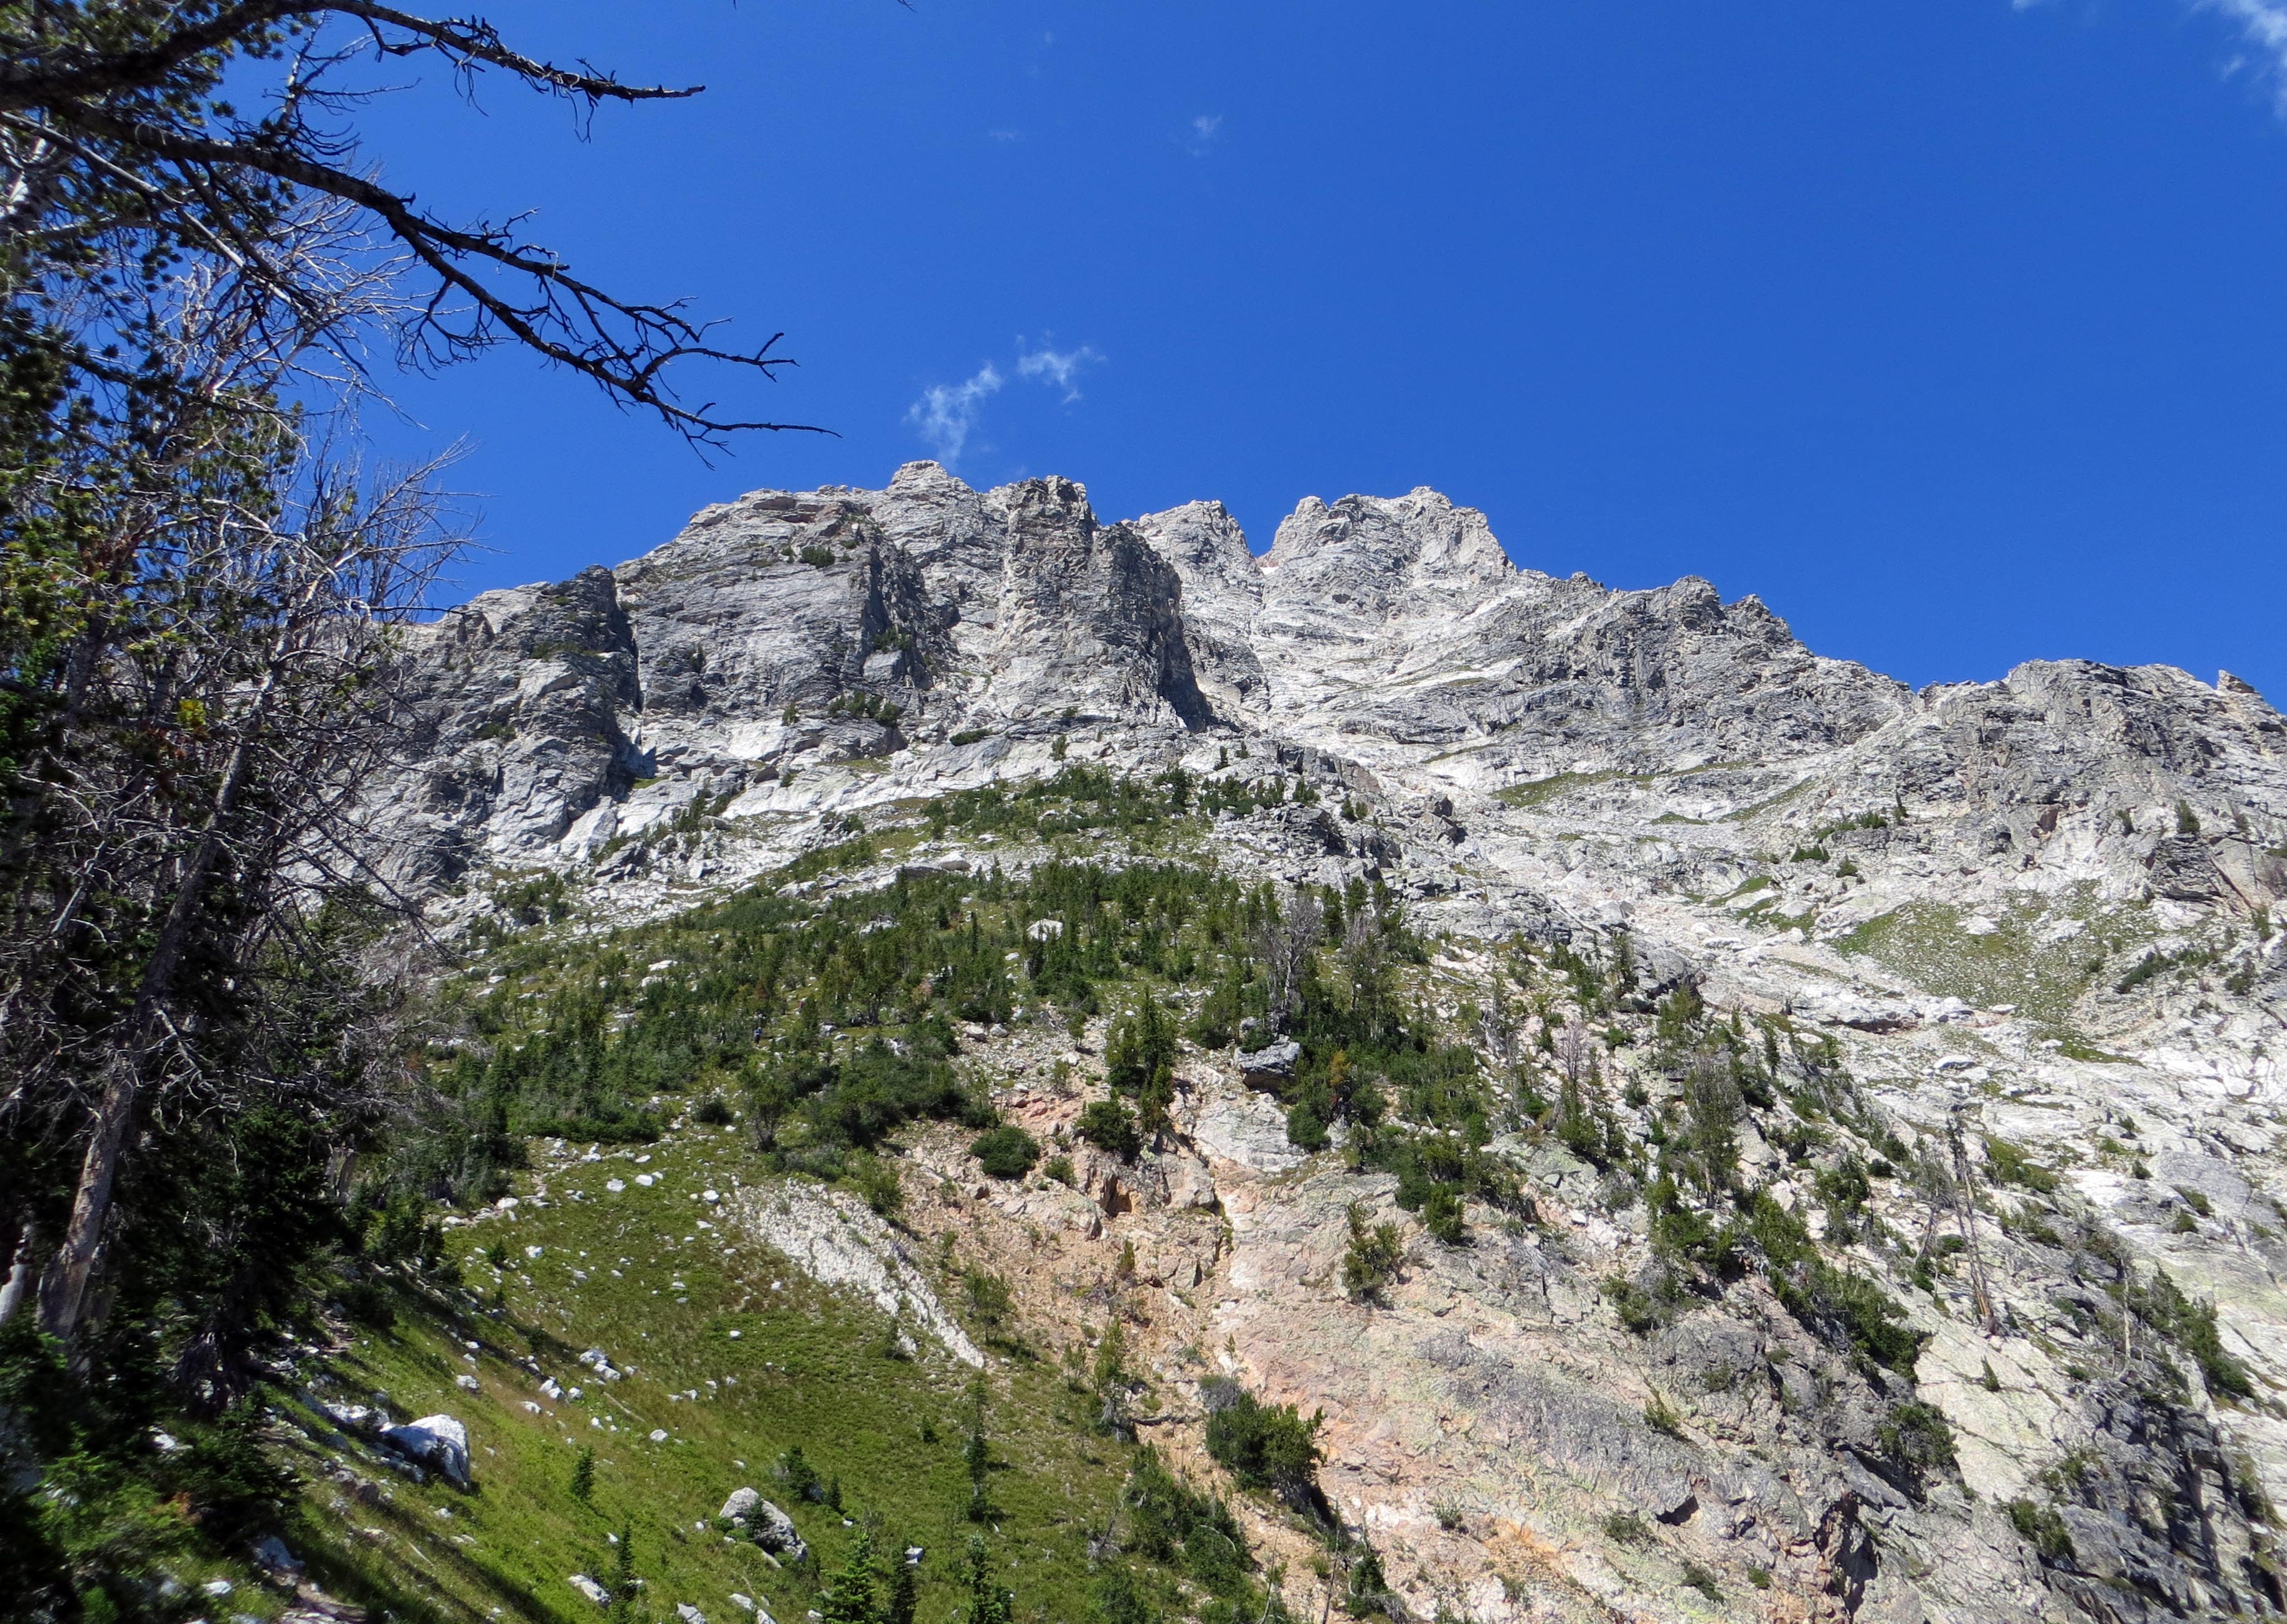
(1956, 329)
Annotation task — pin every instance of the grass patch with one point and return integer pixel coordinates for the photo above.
(1767, 803)
(1925, 942)
(1540, 791)
(735, 1356)
(1627, 1528)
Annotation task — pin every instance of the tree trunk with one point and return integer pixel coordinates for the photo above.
(18, 1284)
(63, 1296)
(65, 1290)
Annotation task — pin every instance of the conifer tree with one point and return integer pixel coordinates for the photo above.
(1112, 1381)
(976, 1453)
(850, 1600)
(898, 1606)
(624, 1584)
(988, 1602)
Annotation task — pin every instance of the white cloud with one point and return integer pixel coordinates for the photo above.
(2263, 24)
(1058, 368)
(1206, 131)
(2262, 28)
(946, 412)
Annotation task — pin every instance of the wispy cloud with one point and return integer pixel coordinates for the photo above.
(946, 413)
(1206, 131)
(1058, 368)
(2263, 25)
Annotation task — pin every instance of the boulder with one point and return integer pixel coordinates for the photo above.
(589, 1588)
(439, 1442)
(774, 1532)
(353, 1418)
(773, 1529)
(1276, 1059)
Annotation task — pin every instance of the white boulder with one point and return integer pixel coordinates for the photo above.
(439, 1442)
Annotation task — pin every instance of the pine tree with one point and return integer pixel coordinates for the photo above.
(583, 1475)
(904, 1589)
(1374, 1258)
(623, 1576)
(977, 1454)
(1369, 1589)
(1140, 1059)
(1112, 1381)
(988, 1602)
(850, 1601)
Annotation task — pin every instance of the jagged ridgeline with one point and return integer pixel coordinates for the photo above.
(994, 1066)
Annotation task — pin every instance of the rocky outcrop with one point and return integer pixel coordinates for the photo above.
(517, 705)
(1222, 595)
(838, 1241)
(1091, 618)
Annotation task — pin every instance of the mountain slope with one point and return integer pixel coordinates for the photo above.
(1977, 1317)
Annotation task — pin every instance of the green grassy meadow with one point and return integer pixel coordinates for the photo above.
(737, 1357)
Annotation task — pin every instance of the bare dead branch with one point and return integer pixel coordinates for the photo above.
(29, 81)
(179, 167)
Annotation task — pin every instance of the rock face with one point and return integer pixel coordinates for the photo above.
(1382, 639)
(2044, 906)
(1275, 1060)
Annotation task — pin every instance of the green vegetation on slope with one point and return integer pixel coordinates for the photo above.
(729, 1369)
(2032, 959)
(829, 1017)
(1540, 791)
(736, 1357)
(829, 1014)
(830, 1020)
(799, 1029)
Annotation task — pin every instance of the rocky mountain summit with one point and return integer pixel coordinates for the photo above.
(2033, 919)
